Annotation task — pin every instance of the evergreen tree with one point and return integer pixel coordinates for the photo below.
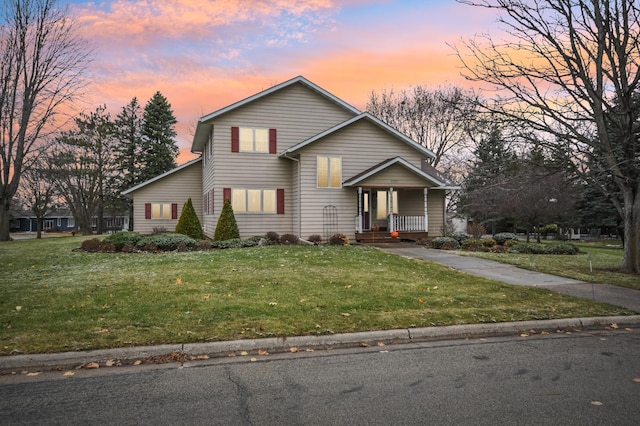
(128, 149)
(189, 224)
(227, 227)
(159, 148)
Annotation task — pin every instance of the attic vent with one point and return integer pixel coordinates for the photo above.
(329, 221)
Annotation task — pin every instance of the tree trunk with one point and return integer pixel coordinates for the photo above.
(4, 220)
(631, 257)
(39, 221)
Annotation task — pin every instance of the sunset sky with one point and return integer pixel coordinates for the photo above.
(203, 54)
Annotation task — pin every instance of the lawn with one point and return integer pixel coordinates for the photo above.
(598, 260)
(56, 299)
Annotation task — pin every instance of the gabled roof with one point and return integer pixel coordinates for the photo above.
(436, 180)
(202, 129)
(177, 169)
(363, 116)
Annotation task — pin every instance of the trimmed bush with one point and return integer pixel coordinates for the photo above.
(315, 238)
(562, 248)
(166, 242)
(189, 224)
(460, 236)
(288, 239)
(94, 245)
(272, 237)
(471, 244)
(227, 227)
(488, 242)
(445, 243)
(237, 243)
(338, 240)
(525, 248)
(502, 237)
(121, 239)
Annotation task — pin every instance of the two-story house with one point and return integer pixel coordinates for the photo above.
(296, 159)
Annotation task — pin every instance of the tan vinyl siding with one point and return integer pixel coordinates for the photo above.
(436, 209)
(361, 146)
(297, 113)
(394, 175)
(174, 188)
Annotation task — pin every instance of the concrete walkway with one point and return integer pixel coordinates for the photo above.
(619, 296)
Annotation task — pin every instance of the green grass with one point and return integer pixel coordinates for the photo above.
(55, 299)
(605, 258)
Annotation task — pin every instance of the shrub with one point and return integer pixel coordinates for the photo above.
(550, 228)
(129, 248)
(502, 237)
(460, 236)
(562, 248)
(121, 239)
(526, 248)
(315, 238)
(477, 230)
(204, 245)
(188, 223)
(237, 243)
(288, 239)
(488, 242)
(498, 249)
(92, 245)
(471, 244)
(158, 230)
(338, 240)
(272, 237)
(449, 242)
(227, 227)
(166, 242)
(511, 243)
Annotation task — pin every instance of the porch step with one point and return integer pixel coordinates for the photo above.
(384, 237)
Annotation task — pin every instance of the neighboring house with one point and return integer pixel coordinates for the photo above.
(57, 220)
(296, 159)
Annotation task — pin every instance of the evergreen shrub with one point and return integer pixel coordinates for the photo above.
(227, 227)
(166, 242)
(502, 237)
(445, 243)
(121, 239)
(188, 223)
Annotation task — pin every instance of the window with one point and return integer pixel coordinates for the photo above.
(71, 223)
(253, 200)
(249, 139)
(383, 204)
(161, 211)
(329, 172)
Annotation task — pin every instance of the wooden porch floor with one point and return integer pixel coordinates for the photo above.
(371, 237)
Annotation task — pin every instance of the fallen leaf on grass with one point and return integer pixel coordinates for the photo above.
(178, 280)
(345, 314)
(18, 308)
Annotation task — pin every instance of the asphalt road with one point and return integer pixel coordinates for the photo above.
(583, 378)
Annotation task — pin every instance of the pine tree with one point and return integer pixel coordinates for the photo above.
(159, 149)
(227, 227)
(128, 134)
(189, 224)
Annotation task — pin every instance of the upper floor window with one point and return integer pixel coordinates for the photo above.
(249, 139)
(329, 172)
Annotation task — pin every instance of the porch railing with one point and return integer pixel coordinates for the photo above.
(406, 223)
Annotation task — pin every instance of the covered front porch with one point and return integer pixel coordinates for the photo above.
(381, 211)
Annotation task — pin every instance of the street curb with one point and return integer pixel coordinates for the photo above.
(67, 360)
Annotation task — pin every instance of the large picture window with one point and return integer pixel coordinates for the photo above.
(160, 211)
(253, 200)
(329, 172)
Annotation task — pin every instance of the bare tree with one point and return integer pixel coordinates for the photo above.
(564, 69)
(438, 118)
(37, 190)
(41, 69)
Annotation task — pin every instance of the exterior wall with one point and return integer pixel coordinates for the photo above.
(297, 113)
(393, 176)
(361, 146)
(175, 188)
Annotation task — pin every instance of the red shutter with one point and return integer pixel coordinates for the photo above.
(226, 194)
(273, 143)
(235, 139)
(280, 201)
(147, 211)
(174, 211)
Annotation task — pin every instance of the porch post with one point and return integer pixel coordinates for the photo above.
(426, 214)
(391, 226)
(359, 225)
